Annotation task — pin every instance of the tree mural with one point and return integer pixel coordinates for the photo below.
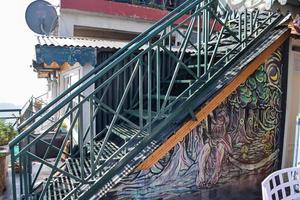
(239, 138)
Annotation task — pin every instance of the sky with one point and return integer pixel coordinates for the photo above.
(18, 81)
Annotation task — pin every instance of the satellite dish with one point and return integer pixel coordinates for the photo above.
(41, 17)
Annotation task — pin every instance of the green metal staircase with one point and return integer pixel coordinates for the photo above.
(157, 83)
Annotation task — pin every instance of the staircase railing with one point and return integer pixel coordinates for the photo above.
(149, 74)
(11, 114)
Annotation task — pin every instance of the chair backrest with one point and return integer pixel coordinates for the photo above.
(282, 184)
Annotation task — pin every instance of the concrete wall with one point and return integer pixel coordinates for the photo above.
(69, 18)
(293, 104)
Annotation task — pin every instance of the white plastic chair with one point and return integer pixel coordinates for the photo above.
(282, 184)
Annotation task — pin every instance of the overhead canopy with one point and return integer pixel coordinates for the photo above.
(62, 50)
(55, 53)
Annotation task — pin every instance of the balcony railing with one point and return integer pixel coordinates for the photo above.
(161, 4)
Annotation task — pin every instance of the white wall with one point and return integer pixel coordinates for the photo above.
(52, 89)
(86, 106)
(293, 104)
(69, 18)
(76, 72)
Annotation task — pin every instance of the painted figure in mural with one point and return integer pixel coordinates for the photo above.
(217, 146)
(296, 23)
(237, 143)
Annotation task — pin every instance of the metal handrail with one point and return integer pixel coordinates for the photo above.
(12, 116)
(130, 45)
(136, 66)
(92, 80)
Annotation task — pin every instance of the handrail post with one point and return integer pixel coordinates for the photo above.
(141, 94)
(92, 135)
(158, 68)
(80, 138)
(245, 28)
(13, 174)
(199, 42)
(149, 110)
(25, 175)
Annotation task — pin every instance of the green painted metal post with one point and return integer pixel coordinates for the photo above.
(149, 85)
(92, 135)
(158, 69)
(13, 174)
(206, 36)
(245, 28)
(240, 27)
(169, 31)
(251, 22)
(141, 95)
(25, 176)
(21, 175)
(80, 139)
(71, 119)
(199, 43)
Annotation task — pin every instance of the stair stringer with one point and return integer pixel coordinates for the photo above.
(239, 73)
(247, 67)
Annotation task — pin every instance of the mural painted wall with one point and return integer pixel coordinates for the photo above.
(237, 143)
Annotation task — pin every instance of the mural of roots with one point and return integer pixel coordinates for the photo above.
(238, 139)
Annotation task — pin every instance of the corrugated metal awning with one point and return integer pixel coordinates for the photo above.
(60, 50)
(79, 42)
(53, 52)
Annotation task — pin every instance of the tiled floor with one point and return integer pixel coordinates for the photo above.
(251, 190)
(7, 195)
(246, 188)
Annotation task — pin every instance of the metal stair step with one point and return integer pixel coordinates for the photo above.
(108, 150)
(186, 82)
(59, 188)
(136, 113)
(162, 97)
(180, 81)
(126, 132)
(73, 164)
(127, 169)
(195, 66)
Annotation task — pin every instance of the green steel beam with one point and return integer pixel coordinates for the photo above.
(150, 75)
